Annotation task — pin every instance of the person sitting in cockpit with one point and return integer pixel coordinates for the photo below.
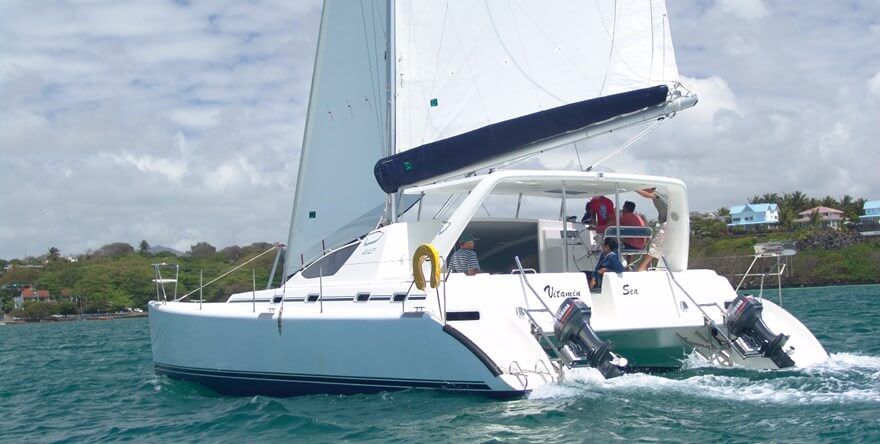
(608, 261)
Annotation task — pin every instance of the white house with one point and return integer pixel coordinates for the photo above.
(826, 217)
(753, 215)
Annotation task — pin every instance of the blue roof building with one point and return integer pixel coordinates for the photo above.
(754, 215)
(872, 211)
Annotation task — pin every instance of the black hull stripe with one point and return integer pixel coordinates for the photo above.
(474, 348)
(282, 384)
(306, 376)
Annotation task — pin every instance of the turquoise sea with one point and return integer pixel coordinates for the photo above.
(94, 381)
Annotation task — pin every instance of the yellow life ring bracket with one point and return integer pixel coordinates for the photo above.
(426, 251)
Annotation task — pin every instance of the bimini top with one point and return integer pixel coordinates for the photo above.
(550, 183)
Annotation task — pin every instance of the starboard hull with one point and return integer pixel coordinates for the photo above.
(243, 354)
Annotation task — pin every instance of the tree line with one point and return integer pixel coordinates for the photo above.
(789, 206)
(117, 276)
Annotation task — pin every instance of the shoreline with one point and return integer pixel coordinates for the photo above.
(74, 318)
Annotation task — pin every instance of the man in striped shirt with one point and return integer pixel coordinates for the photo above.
(464, 260)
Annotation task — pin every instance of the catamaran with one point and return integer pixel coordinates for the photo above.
(415, 102)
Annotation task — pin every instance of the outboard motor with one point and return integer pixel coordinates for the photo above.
(752, 335)
(580, 343)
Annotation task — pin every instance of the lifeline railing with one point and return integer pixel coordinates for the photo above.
(524, 282)
(772, 250)
(699, 306)
(161, 281)
(232, 270)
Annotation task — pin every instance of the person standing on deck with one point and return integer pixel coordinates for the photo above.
(660, 199)
(464, 260)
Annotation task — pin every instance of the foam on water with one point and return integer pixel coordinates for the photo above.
(94, 381)
(844, 378)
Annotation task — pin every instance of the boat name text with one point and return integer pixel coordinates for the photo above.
(556, 293)
(628, 291)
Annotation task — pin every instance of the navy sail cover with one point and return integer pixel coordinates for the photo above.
(495, 141)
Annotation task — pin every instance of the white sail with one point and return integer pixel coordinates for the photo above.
(346, 131)
(467, 64)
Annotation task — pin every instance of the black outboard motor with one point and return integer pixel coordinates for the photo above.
(572, 329)
(745, 323)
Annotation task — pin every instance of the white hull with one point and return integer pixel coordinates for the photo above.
(353, 321)
(340, 346)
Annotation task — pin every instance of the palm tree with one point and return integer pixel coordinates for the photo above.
(829, 202)
(796, 201)
(53, 254)
(770, 198)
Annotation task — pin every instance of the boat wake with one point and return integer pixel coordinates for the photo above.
(845, 378)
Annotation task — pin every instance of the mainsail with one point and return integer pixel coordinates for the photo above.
(476, 80)
(346, 131)
(473, 83)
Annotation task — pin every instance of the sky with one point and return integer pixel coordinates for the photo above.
(181, 121)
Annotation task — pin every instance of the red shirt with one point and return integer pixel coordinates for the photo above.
(633, 220)
(603, 209)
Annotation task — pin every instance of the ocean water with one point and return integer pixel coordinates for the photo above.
(93, 381)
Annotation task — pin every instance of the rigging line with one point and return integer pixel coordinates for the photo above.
(663, 68)
(379, 41)
(381, 22)
(373, 71)
(627, 144)
(470, 70)
(653, 45)
(580, 164)
(228, 272)
(610, 38)
(540, 28)
(525, 55)
(400, 214)
(436, 64)
(623, 61)
(483, 205)
(513, 59)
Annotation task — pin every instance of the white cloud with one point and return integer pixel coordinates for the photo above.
(874, 84)
(179, 124)
(201, 118)
(715, 96)
(745, 9)
(172, 169)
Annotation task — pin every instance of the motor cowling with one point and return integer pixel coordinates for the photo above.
(745, 323)
(572, 327)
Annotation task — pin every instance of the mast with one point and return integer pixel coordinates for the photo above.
(391, 57)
